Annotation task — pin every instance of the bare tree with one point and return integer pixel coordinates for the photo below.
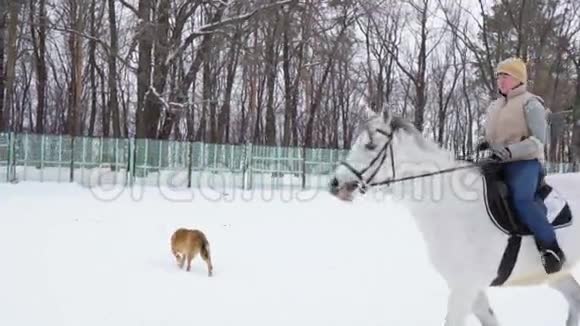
(143, 35)
(278, 72)
(291, 35)
(416, 69)
(345, 21)
(457, 19)
(446, 74)
(112, 76)
(38, 29)
(3, 14)
(11, 54)
(378, 39)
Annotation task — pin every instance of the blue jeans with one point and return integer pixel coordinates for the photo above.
(523, 179)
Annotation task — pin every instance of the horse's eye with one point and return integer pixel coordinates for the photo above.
(334, 183)
(371, 146)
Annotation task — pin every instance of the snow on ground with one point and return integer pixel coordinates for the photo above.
(281, 258)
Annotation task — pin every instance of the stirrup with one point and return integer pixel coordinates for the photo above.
(552, 262)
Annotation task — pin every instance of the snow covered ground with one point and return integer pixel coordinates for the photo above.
(75, 256)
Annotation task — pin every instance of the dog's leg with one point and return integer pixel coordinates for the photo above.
(209, 268)
(189, 259)
(483, 310)
(570, 289)
(207, 258)
(180, 260)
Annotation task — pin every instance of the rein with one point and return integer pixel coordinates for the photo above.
(381, 156)
(389, 181)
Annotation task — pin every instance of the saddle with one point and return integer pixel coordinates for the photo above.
(501, 211)
(502, 214)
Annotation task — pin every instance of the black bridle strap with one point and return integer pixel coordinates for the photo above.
(372, 176)
(382, 155)
(389, 143)
(359, 174)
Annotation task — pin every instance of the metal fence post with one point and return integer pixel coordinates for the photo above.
(131, 161)
(11, 166)
(247, 167)
(59, 157)
(42, 156)
(72, 159)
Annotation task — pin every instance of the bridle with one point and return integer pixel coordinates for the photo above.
(363, 184)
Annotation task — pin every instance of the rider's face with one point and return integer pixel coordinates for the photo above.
(505, 82)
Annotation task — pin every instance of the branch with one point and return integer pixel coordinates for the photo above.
(442, 35)
(387, 45)
(243, 17)
(129, 6)
(105, 45)
(484, 61)
(213, 27)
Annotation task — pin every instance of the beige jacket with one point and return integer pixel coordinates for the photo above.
(506, 122)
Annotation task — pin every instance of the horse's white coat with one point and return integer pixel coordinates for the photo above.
(463, 244)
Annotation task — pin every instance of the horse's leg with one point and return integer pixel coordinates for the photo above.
(460, 304)
(570, 289)
(483, 311)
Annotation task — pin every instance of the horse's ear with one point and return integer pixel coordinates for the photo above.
(369, 113)
(399, 123)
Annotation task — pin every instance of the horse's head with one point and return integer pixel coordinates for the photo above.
(370, 158)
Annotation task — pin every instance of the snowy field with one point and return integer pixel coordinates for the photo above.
(281, 258)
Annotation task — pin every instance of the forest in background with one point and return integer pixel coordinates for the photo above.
(280, 72)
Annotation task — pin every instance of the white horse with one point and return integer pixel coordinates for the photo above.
(447, 199)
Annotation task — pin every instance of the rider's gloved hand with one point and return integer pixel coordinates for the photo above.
(500, 153)
(482, 146)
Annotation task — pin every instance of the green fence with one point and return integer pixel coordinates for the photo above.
(88, 160)
(91, 161)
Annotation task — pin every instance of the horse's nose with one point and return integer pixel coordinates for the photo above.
(333, 185)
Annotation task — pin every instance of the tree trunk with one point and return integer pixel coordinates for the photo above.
(112, 76)
(420, 80)
(3, 14)
(11, 53)
(76, 86)
(271, 72)
(314, 106)
(38, 35)
(225, 113)
(92, 74)
(144, 67)
(575, 143)
(105, 114)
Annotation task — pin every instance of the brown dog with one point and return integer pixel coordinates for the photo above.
(186, 244)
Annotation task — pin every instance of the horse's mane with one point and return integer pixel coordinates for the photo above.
(399, 124)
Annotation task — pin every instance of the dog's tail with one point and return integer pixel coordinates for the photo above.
(204, 250)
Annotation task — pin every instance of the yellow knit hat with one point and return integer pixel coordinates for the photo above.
(514, 67)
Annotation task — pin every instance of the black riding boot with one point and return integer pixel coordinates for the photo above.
(553, 258)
